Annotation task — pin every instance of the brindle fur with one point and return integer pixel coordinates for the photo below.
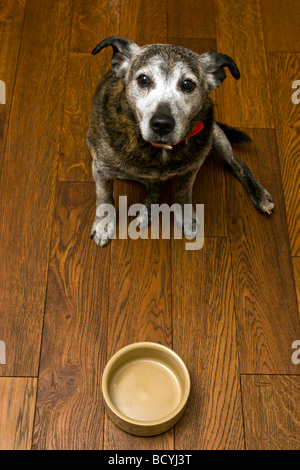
(119, 150)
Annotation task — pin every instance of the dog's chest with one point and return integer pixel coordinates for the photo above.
(164, 167)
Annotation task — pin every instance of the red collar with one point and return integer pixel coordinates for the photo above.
(196, 129)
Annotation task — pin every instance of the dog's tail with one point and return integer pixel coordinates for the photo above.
(234, 135)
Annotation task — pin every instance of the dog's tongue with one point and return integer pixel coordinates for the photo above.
(167, 147)
(195, 131)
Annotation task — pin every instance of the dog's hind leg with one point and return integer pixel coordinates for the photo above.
(259, 196)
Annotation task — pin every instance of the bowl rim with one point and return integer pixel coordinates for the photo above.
(150, 345)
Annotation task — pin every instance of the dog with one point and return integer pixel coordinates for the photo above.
(152, 119)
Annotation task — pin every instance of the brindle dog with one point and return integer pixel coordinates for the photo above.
(143, 114)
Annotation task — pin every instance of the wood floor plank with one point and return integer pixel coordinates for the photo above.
(296, 265)
(266, 303)
(284, 69)
(92, 22)
(18, 397)
(144, 22)
(226, 309)
(246, 102)
(271, 412)
(281, 25)
(84, 72)
(139, 308)
(192, 19)
(70, 412)
(204, 329)
(10, 37)
(28, 178)
(12, 10)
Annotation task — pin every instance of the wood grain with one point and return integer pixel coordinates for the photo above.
(28, 181)
(271, 412)
(284, 70)
(10, 37)
(70, 412)
(84, 72)
(247, 102)
(18, 396)
(144, 22)
(92, 22)
(265, 297)
(12, 10)
(192, 18)
(296, 265)
(204, 329)
(281, 25)
(228, 309)
(139, 308)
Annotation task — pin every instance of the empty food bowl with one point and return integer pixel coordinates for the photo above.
(145, 388)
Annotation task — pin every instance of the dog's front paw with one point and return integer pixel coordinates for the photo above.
(191, 227)
(103, 230)
(187, 222)
(264, 202)
(144, 218)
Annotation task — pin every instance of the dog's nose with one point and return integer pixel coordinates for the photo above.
(162, 124)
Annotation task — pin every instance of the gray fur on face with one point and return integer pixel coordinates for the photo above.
(166, 78)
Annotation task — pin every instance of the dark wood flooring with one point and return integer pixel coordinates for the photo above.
(230, 309)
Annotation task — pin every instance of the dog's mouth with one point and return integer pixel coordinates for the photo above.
(169, 145)
(162, 144)
(159, 141)
(164, 141)
(167, 140)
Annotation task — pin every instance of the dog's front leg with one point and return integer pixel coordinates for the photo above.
(104, 226)
(154, 189)
(182, 196)
(259, 196)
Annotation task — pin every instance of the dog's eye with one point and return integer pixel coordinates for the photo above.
(188, 85)
(143, 80)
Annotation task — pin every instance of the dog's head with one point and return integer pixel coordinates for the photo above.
(166, 85)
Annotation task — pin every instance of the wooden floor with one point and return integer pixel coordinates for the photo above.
(230, 310)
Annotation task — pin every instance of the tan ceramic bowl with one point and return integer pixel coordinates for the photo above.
(145, 388)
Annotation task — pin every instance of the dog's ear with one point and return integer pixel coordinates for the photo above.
(213, 64)
(123, 51)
